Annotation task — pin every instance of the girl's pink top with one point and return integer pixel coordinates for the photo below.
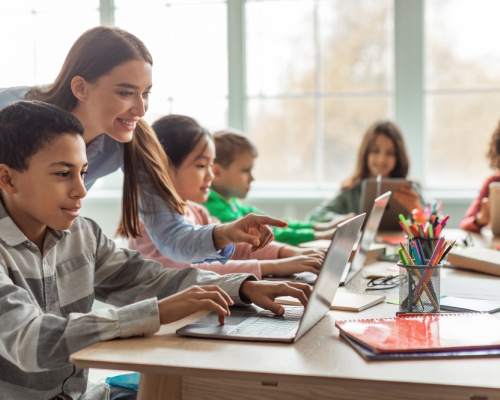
(242, 261)
(467, 222)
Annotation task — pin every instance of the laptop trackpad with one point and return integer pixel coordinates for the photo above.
(209, 324)
(238, 315)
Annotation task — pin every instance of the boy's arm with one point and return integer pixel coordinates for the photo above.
(33, 341)
(227, 210)
(293, 236)
(123, 277)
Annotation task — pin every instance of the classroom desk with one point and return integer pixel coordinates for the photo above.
(319, 365)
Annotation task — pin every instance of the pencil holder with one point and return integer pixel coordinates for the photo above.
(419, 288)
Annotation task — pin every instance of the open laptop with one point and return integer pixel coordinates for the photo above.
(367, 238)
(255, 324)
(372, 188)
(361, 247)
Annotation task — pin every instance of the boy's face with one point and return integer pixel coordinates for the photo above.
(194, 177)
(234, 181)
(49, 193)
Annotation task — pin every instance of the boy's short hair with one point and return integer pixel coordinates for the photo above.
(26, 127)
(229, 144)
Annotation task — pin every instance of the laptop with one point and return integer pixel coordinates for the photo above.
(372, 188)
(495, 207)
(256, 324)
(367, 238)
(361, 247)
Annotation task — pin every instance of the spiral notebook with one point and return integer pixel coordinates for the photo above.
(424, 332)
(370, 355)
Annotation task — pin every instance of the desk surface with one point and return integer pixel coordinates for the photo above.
(319, 361)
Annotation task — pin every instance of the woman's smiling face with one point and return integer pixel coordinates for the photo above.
(116, 101)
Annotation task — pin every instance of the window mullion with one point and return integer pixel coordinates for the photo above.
(107, 12)
(409, 80)
(236, 64)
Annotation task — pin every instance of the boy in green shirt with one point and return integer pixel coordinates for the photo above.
(232, 170)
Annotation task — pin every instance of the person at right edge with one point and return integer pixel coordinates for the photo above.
(478, 213)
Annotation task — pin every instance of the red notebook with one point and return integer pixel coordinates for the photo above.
(424, 332)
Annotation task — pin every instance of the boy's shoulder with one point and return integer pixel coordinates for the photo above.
(86, 228)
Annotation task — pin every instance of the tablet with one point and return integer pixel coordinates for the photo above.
(495, 207)
(372, 188)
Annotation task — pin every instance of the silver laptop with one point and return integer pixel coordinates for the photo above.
(255, 324)
(367, 238)
(361, 247)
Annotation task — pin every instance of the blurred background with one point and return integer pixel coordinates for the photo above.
(303, 78)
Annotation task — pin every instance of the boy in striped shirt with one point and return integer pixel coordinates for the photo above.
(54, 263)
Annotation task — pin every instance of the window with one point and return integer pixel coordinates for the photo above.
(318, 74)
(188, 42)
(37, 35)
(462, 89)
(303, 78)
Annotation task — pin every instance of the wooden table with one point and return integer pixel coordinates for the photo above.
(318, 366)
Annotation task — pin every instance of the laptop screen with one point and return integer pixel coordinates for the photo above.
(368, 236)
(328, 280)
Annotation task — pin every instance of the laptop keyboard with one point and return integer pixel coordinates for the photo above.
(265, 323)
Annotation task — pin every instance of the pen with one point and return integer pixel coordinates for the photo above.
(420, 251)
(434, 258)
(438, 230)
(447, 251)
(403, 226)
(404, 221)
(408, 302)
(414, 231)
(421, 230)
(416, 256)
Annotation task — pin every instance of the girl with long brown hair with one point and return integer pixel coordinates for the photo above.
(191, 151)
(382, 152)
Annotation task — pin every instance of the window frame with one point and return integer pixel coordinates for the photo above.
(409, 86)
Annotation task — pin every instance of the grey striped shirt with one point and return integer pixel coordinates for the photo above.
(46, 304)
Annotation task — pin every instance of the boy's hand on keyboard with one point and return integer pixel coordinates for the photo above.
(193, 299)
(264, 293)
